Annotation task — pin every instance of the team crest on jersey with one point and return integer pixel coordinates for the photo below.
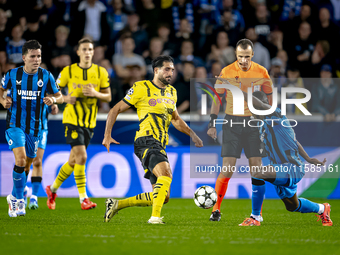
(130, 92)
(152, 102)
(168, 94)
(74, 134)
(40, 83)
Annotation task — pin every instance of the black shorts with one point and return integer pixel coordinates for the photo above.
(150, 152)
(241, 136)
(78, 135)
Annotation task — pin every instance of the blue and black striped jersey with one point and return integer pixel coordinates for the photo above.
(279, 139)
(28, 110)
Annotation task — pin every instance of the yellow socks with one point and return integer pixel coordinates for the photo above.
(144, 199)
(65, 171)
(79, 176)
(160, 191)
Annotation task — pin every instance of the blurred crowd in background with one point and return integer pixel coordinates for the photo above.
(293, 39)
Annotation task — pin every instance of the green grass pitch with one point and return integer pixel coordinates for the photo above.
(69, 230)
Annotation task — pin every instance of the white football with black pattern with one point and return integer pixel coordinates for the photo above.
(205, 197)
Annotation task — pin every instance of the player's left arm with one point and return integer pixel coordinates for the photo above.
(305, 155)
(181, 126)
(105, 92)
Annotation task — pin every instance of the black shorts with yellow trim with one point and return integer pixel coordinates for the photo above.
(240, 136)
(150, 152)
(76, 135)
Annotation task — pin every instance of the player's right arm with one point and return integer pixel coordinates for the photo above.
(134, 95)
(5, 84)
(111, 120)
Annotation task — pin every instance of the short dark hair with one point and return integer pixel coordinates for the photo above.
(261, 96)
(85, 40)
(159, 61)
(244, 43)
(30, 45)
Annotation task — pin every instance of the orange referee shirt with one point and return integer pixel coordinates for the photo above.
(256, 77)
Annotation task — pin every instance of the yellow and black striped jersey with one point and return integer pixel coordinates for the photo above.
(84, 112)
(154, 108)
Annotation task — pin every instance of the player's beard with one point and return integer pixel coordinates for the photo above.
(163, 80)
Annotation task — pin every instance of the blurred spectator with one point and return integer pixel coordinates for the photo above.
(221, 51)
(326, 95)
(182, 9)
(231, 26)
(155, 50)
(59, 63)
(305, 15)
(262, 23)
(274, 43)
(336, 11)
(294, 80)
(51, 17)
(116, 19)
(215, 69)
(300, 50)
(186, 94)
(327, 30)
(291, 9)
(185, 31)
(135, 74)
(149, 15)
(90, 21)
(138, 33)
(187, 51)
(115, 85)
(58, 48)
(98, 54)
(236, 15)
(4, 30)
(261, 54)
(14, 46)
(127, 58)
(34, 30)
(276, 74)
(14, 14)
(320, 56)
(282, 55)
(170, 47)
(201, 76)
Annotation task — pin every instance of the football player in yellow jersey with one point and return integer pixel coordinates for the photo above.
(86, 83)
(156, 108)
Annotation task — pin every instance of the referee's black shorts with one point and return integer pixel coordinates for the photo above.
(150, 152)
(237, 135)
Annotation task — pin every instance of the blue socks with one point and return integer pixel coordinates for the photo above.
(36, 183)
(306, 206)
(258, 190)
(19, 182)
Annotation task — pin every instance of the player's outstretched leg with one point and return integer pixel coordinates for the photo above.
(302, 205)
(51, 190)
(221, 187)
(113, 205)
